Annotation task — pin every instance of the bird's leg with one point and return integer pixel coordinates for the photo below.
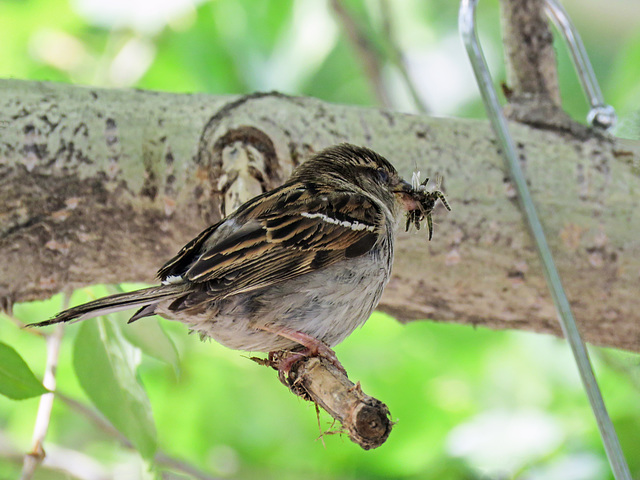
(312, 348)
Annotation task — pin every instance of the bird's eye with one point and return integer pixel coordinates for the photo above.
(383, 175)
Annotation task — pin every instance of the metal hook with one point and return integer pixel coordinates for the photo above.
(601, 115)
(467, 26)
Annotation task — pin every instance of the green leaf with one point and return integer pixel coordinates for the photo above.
(106, 364)
(148, 335)
(17, 381)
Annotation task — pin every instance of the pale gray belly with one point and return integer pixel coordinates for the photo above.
(327, 305)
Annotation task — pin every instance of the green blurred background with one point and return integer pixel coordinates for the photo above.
(469, 403)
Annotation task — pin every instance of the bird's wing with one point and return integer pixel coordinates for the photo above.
(185, 257)
(278, 236)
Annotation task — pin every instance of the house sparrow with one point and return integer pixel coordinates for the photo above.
(296, 268)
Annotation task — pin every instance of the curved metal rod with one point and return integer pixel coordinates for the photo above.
(468, 32)
(600, 115)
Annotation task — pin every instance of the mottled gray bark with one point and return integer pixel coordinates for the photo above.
(101, 186)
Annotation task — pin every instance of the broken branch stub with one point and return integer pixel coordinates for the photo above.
(366, 419)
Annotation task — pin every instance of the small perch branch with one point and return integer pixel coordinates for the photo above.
(366, 419)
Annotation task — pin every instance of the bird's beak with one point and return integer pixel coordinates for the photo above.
(404, 190)
(403, 187)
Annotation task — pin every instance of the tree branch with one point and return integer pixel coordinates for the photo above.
(529, 55)
(102, 186)
(533, 91)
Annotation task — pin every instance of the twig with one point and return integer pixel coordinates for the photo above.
(95, 417)
(365, 51)
(43, 417)
(160, 458)
(71, 463)
(397, 57)
(182, 466)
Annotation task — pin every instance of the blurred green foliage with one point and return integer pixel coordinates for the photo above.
(16, 379)
(469, 403)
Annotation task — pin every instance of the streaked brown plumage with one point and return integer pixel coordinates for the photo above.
(303, 264)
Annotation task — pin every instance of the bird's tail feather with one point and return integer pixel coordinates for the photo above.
(115, 303)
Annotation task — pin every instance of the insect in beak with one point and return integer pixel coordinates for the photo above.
(421, 203)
